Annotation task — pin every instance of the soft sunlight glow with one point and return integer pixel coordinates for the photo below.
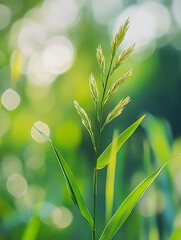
(45, 213)
(37, 71)
(45, 54)
(59, 14)
(149, 21)
(11, 164)
(17, 185)
(148, 204)
(34, 195)
(176, 9)
(34, 157)
(42, 127)
(53, 215)
(5, 16)
(103, 15)
(58, 55)
(62, 217)
(31, 37)
(10, 99)
(35, 162)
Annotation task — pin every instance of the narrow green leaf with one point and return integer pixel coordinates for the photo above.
(127, 206)
(110, 179)
(176, 234)
(158, 136)
(32, 229)
(74, 191)
(104, 158)
(71, 184)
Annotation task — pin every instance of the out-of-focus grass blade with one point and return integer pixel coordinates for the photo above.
(32, 227)
(158, 137)
(110, 179)
(104, 158)
(127, 206)
(16, 65)
(72, 186)
(176, 235)
(31, 230)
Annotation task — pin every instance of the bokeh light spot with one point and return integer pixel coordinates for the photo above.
(157, 23)
(17, 185)
(58, 55)
(35, 161)
(176, 9)
(59, 14)
(38, 74)
(53, 215)
(5, 16)
(11, 164)
(46, 211)
(42, 127)
(10, 99)
(30, 36)
(34, 195)
(62, 217)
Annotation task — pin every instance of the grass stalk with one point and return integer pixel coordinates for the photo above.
(98, 147)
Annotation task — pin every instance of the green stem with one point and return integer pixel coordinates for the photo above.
(97, 149)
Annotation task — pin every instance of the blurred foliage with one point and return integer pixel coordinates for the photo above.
(47, 50)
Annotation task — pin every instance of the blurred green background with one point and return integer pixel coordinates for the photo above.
(47, 51)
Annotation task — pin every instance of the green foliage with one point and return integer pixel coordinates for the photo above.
(71, 183)
(108, 156)
(127, 206)
(105, 158)
(110, 178)
(176, 234)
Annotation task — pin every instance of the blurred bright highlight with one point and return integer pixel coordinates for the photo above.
(5, 16)
(42, 127)
(17, 185)
(10, 99)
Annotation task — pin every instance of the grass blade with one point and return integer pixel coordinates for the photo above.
(159, 137)
(127, 206)
(71, 184)
(110, 180)
(176, 235)
(31, 230)
(74, 191)
(104, 158)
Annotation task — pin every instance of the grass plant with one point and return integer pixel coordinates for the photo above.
(107, 158)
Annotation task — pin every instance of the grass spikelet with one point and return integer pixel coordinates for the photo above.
(119, 36)
(117, 110)
(93, 89)
(115, 87)
(123, 57)
(100, 59)
(85, 121)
